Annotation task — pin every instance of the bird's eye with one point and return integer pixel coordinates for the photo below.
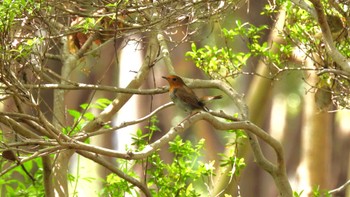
(174, 79)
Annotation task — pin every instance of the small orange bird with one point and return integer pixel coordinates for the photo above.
(184, 97)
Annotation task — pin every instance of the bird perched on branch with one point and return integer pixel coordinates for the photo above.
(184, 97)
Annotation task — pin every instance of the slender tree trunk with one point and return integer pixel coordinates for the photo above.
(257, 96)
(314, 169)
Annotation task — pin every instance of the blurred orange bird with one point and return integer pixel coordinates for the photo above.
(184, 97)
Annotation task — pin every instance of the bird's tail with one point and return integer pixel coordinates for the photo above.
(207, 99)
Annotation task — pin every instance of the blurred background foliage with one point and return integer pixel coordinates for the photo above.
(273, 53)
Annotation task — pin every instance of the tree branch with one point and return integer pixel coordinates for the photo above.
(123, 124)
(236, 98)
(303, 5)
(151, 148)
(39, 153)
(341, 60)
(165, 53)
(83, 86)
(115, 170)
(277, 171)
(341, 188)
(18, 128)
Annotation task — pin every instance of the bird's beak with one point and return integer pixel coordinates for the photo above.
(165, 77)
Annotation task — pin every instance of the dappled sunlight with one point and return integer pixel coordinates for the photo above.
(278, 116)
(130, 61)
(343, 120)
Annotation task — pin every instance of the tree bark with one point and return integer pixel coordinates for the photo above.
(314, 169)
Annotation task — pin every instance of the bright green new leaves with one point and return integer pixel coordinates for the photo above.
(9, 11)
(185, 175)
(81, 119)
(218, 62)
(224, 62)
(117, 186)
(23, 186)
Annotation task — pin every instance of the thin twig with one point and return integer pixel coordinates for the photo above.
(83, 86)
(112, 167)
(123, 124)
(341, 188)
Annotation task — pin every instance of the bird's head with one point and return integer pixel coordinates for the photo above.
(174, 81)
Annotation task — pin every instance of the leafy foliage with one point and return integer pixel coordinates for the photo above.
(186, 175)
(224, 62)
(218, 63)
(25, 48)
(81, 119)
(302, 32)
(301, 38)
(23, 186)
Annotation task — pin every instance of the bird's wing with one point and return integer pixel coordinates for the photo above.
(188, 96)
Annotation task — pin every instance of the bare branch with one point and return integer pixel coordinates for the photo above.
(115, 170)
(302, 4)
(33, 142)
(165, 53)
(18, 128)
(151, 148)
(335, 71)
(123, 124)
(82, 86)
(39, 153)
(341, 60)
(341, 188)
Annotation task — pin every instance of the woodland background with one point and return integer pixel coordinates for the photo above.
(78, 76)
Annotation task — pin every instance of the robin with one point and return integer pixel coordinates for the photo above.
(184, 97)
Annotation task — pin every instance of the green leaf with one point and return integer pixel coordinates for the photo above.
(84, 106)
(89, 116)
(28, 165)
(193, 47)
(74, 113)
(102, 103)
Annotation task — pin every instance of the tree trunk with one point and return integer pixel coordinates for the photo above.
(314, 169)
